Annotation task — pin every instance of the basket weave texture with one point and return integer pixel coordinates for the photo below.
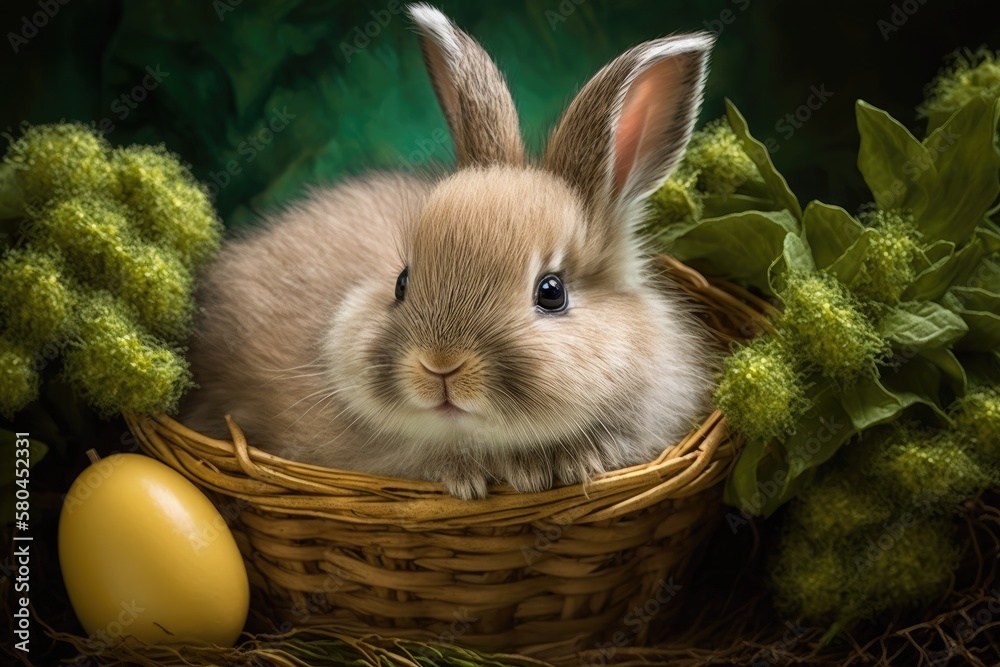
(543, 574)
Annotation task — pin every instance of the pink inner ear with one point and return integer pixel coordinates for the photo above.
(649, 114)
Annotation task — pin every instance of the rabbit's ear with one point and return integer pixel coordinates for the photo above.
(628, 127)
(473, 94)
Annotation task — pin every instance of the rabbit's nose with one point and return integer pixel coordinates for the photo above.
(444, 368)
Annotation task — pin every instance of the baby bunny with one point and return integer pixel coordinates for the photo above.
(499, 324)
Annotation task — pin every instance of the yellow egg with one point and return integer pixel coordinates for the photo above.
(145, 553)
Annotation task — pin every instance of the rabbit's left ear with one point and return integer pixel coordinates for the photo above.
(473, 94)
(628, 127)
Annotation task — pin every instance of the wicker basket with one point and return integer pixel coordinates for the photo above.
(543, 574)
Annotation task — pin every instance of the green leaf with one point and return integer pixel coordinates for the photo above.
(741, 485)
(989, 235)
(830, 231)
(793, 486)
(898, 169)
(758, 153)
(980, 309)
(739, 246)
(714, 206)
(950, 366)
(916, 381)
(933, 255)
(869, 404)
(951, 302)
(824, 428)
(983, 368)
(797, 255)
(848, 265)
(937, 251)
(984, 331)
(767, 476)
(872, 401)
(953, 268)
(965, 165)
(787, 468)
(918, 325)
(985, 275)
(977, 298)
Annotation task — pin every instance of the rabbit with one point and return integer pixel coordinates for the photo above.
(501, 323)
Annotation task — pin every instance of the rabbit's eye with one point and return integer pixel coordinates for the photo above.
(401, 282)
(551, 295)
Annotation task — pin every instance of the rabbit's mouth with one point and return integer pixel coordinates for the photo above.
(449, 409)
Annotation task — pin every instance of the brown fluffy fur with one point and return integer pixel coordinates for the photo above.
(302, 340)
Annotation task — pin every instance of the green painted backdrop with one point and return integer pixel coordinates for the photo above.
(343, 83)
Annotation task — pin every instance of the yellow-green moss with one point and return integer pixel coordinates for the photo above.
(977, 416)
(104, 268)
(118, 367)
(19, 381)
(60, 160)
(36, 300)
(929, 468)
(810, 578)
(837, 505)
(717, 157)
(902, 560)
(156, 284)
(91, 232)
(827, 328)
(172, 208)
(905, 564)
(888, 268)
(761, 392)
(969, 75)
(677, 200)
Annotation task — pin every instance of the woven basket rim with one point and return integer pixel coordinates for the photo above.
(288, 487)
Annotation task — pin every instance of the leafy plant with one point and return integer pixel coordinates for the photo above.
(888, 338)
(881, 310)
